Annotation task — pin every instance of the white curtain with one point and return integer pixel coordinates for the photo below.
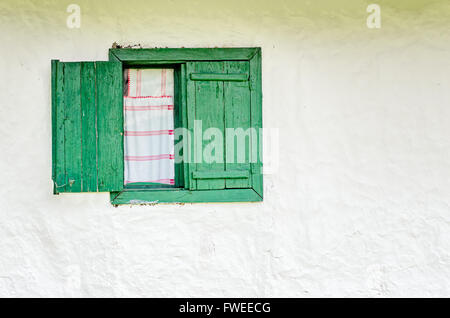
(149, 140)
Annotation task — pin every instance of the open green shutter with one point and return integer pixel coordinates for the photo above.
(218, 96)
(87, 120)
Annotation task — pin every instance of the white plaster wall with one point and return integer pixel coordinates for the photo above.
(360, 205)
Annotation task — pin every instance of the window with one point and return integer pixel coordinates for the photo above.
(149, 127)
(160, 125)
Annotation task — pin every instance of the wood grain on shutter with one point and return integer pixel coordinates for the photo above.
(179, 55)
(209, 108)
(184, 124)
(237, 115)
(88, 127)
(190, 101)
(59, 178)
(109, 126)
(87, 121)
(219, 100)
(229, 174)
(233, 77)
(72, 126)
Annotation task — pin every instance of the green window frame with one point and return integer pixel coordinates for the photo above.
(219, 86)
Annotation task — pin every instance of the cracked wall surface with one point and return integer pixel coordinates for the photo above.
(359, 204)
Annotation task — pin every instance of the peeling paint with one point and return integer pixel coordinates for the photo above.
(141, 202)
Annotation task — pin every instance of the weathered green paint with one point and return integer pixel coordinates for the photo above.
(54, 92)
(112, 57)
(237, 115)
(184, 123)
(180, 55)
(220, 104)
(209, 109)
(147, 185)
(190, 91)
(110, 158)
(256, 118)
(178, 115)
(237, 80)
(238, 77)
(154, 57)
(59, 178)
(72, 126)
(183, 196)
(87, 126)
(229, 174)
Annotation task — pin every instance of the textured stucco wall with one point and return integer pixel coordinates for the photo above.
(360, 204)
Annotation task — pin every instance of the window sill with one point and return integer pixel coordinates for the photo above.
(183, 196)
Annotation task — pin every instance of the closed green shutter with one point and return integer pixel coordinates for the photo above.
(218, 96)
(87, 120)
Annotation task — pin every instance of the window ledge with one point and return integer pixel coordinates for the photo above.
(183, 196)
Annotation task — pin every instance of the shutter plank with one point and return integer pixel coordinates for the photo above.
(60, 179)
(232, 77)
(190, 100)
(54, 65)
(109, 126)
(178, 123)
(230, 174)
(72, 127)
(184, 123)
(209, 108)
(237, 115)
(88, 127)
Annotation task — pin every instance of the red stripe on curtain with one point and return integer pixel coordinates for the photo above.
(149, 158)
(165, 181)
(142, 108)
(149, 133)
(148, 96)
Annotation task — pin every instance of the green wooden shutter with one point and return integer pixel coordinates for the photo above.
(218, 95)
(87, 120)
